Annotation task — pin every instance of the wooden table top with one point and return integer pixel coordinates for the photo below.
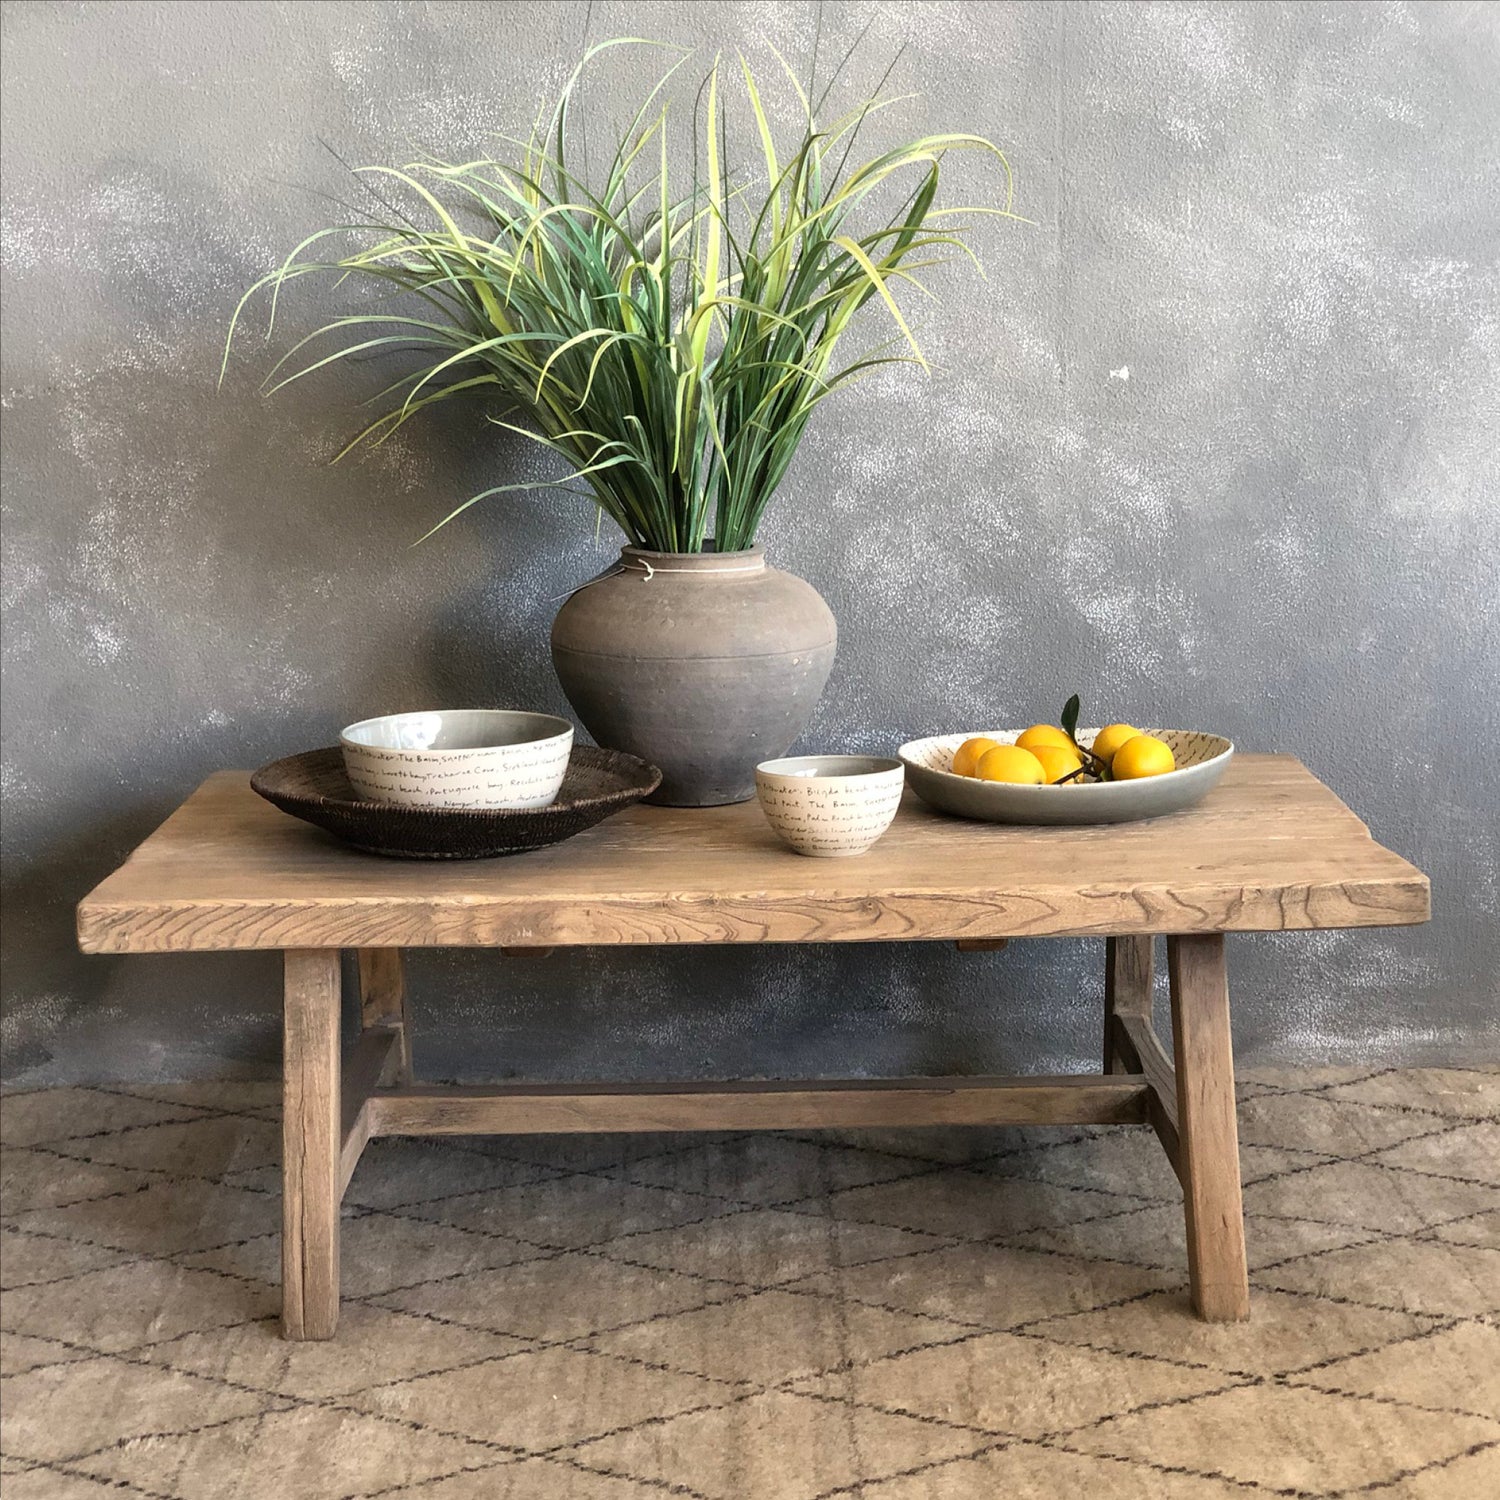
(1270, 849)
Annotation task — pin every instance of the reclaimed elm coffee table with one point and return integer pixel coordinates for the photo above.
(1270, 850)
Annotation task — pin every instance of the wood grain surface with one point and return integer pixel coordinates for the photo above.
(1208, 1161)
(312, 1181)
(382, 1002)
(530, 1109)
(1139, 1045)
(1270, 849)
(1128, 968)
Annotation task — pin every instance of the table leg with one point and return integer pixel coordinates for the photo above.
(382, 1001)
(310, 1145)
(1127, 990)
(1210, 1160)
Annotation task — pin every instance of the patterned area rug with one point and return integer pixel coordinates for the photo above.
(930, 1315)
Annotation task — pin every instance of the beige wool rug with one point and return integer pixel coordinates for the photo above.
(930, 1315)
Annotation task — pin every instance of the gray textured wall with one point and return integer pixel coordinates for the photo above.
(1281, 220)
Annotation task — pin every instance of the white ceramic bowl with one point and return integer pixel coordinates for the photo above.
(1201, 760)
(461, 757)
(830, 805)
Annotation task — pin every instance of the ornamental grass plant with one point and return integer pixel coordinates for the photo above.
(668, 335)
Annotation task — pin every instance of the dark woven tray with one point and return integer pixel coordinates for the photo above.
(312, 786)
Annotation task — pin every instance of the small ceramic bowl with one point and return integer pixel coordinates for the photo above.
(463, 757)
(830, 805)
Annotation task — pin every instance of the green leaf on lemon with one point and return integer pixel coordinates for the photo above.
(1070, 718)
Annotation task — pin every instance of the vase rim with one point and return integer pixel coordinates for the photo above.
(646, 560)
(708, 550)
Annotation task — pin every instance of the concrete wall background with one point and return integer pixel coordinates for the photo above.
(1284, 220)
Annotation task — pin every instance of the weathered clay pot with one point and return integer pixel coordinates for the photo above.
(703, 663)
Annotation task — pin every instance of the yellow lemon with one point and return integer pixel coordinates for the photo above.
(1110, 738)
(1043, 734)
(966, 757)
(1010, 763)
(1142, 755)
(1057, 762)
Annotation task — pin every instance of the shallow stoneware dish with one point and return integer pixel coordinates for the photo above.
(313, 786)
(1201, 760)
(830, 806)
(459, 757)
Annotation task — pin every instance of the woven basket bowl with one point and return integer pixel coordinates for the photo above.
(313, 786)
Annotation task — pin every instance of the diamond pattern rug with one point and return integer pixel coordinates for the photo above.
(922, 1315)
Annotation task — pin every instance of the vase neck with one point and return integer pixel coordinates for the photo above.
(647, 563)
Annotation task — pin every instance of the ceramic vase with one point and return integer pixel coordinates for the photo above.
(704, 663)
